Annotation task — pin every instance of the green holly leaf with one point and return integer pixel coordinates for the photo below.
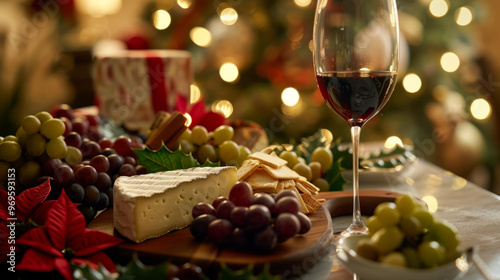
(85, 272)
(308, 145)
(135, 269)
(166, 160)
(334, 176)
(227, 273)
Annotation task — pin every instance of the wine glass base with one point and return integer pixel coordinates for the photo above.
(352, 230)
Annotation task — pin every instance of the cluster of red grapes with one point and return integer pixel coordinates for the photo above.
(247, 221)
(187, 271)
(92, 163)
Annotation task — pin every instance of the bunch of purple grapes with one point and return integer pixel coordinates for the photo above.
(246, 221)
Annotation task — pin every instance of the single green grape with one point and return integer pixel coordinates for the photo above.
(394, 258)
(405, 205)
(244, 153)
(315, 169)
(324, 156)
(373, 224)
(10, 151)
(73, 156)
(322, 184)
(387, 214)
(43, 116)
(186, 135)
(29, 173)
(22, 137)
(186, 147)
(56, 147)
(36, 145)
(290, 157)
(411, 256)
(410, 226)
(425, 218)
(199, 135)
(223, 133)
(229, 152)
(446, 234)
(387, 239)
(31, 124)
(367, 249)
(303, 170)
(206, 152)
(431, 253)
(10, 138)
(52, 128)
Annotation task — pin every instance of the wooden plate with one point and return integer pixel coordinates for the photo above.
(295, 256)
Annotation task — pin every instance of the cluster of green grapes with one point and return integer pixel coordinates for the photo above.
(403, 233)
(214, 146)
(321, 161)
(40, 136)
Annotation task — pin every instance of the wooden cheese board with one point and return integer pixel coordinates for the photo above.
(300, 252)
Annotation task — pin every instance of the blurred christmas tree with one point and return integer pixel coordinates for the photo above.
(254, 56)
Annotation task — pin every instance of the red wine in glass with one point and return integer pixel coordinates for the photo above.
(356, 96)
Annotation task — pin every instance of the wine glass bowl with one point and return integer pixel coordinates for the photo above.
(356, 57)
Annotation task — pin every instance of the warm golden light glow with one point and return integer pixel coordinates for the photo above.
(99, 8)
(392, 141)
(480, 109)
(184, 3)
(229, 16)
(302, 3)
(195, 94)
(463, 16)
(201, 36)
(290, 96)
(189, 120)
(229, 72)
(327, 136)
(450, 62)
(431, 202)
(224, 107)
(412, 83)
(438, 8)
(161, 19)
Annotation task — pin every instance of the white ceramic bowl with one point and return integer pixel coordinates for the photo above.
(371, 270)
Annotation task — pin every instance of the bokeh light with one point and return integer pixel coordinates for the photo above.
(463, 16)
(229, 72)
(201, 36)
(189, 120)
(184, 3)
(438, 8)
(229, 16)
(99, 8)
(480, 109)
(392, 141)
(450, 62)
(412, 83)
(195, 94)
(161, 19)
(431, 202)
(224, 107)
(290, 96)
(302, 3)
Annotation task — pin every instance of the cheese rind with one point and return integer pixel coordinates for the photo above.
(151, 205)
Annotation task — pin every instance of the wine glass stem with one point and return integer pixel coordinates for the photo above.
(357, 225)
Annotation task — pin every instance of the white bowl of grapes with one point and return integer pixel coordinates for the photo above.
(405, 241)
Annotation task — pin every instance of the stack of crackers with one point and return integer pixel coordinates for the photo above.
(267, 173)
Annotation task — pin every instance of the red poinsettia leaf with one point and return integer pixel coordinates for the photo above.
(62, 265)
(212, 120)
(37, 238)
(29, 199)
(94, 241)
(65, 222)
(181, 104)
(39, 216)
(4, 214)
(4, 246)
(96, 259)
(197, 112)
(34, 260)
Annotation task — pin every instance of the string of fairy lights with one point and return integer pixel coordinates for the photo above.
(292, 104)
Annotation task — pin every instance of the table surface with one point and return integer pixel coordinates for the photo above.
(473, 210)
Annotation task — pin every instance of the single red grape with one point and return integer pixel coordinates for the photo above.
(122, 146)
(86, 175)
(202, 208)
(287, 205)
(258, 216)
(219, 231)
(218, 200)
(238, 216)
(127, 170)
(286, 193)
(199, 226)
(105, 143)
(63, 175)
(103, 182)
(266, 200)
(224, 209)
(286, 225)
(266, 240)
(73, 139)
(241, 194)
(100, 163)
(305, 223)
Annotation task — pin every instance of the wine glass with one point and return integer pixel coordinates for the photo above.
(356, 57)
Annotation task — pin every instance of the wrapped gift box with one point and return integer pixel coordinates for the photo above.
(132, 86)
